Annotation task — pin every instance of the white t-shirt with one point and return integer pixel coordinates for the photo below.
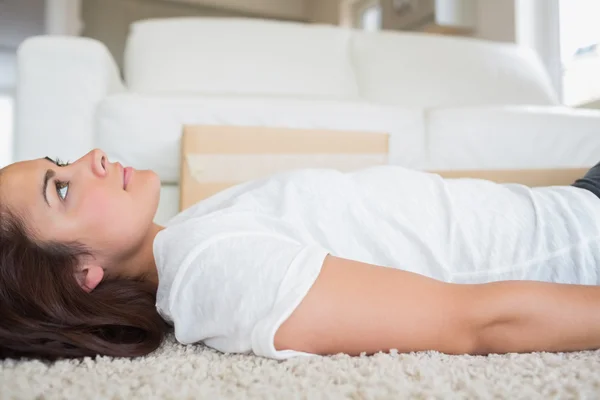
(234, 267)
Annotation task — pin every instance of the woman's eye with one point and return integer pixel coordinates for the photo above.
(62, 188)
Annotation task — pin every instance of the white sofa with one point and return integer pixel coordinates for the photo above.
(448, 103)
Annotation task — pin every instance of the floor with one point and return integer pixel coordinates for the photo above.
(179, 372)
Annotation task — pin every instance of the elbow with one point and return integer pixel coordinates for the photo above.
(467, 340)
(475, 324)
(488, 340)
(491, 322)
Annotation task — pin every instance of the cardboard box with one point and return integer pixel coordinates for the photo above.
(214, 158)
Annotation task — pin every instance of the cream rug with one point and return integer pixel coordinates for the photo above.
(196, 372)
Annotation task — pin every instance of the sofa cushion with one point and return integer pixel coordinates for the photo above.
(145, 131)
(239, 56)
(514, 137)
(429, 71)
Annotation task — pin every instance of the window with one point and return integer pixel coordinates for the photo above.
(6, 129)
(370, 17)
(580, 50)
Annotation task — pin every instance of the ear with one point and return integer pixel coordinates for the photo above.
(89, 276)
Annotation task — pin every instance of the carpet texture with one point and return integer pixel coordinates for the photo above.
(196, 372)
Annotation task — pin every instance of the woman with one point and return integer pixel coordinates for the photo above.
(304, 262)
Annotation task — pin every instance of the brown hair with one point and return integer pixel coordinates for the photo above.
(44, 313)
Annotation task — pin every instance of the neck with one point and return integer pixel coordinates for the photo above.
(142, 263)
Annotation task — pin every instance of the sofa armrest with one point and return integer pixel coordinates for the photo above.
(60, 82)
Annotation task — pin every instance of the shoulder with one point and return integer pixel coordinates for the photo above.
(198, 237)
(235, 258)
(222, 289)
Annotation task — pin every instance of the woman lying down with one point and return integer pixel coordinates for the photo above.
(308, 262)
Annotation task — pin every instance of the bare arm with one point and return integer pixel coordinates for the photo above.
(355, 307)
(526, 316)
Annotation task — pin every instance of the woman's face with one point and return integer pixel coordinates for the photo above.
(99, 204)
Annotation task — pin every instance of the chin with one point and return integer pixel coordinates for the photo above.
(146, 186)
(154, 184)
(156, 181)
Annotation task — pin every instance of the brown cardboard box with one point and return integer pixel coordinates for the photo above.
(214, 158)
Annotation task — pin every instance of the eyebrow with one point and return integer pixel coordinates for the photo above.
(49, 175)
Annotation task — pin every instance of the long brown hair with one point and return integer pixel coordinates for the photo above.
(45, 314)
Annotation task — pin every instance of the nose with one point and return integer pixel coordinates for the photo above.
(99, 161)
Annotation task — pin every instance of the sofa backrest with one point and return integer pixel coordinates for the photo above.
(434, 70)
(231, 56)
(239, 57)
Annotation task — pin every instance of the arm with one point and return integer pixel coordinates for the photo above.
(61, 81)
(355, 307)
